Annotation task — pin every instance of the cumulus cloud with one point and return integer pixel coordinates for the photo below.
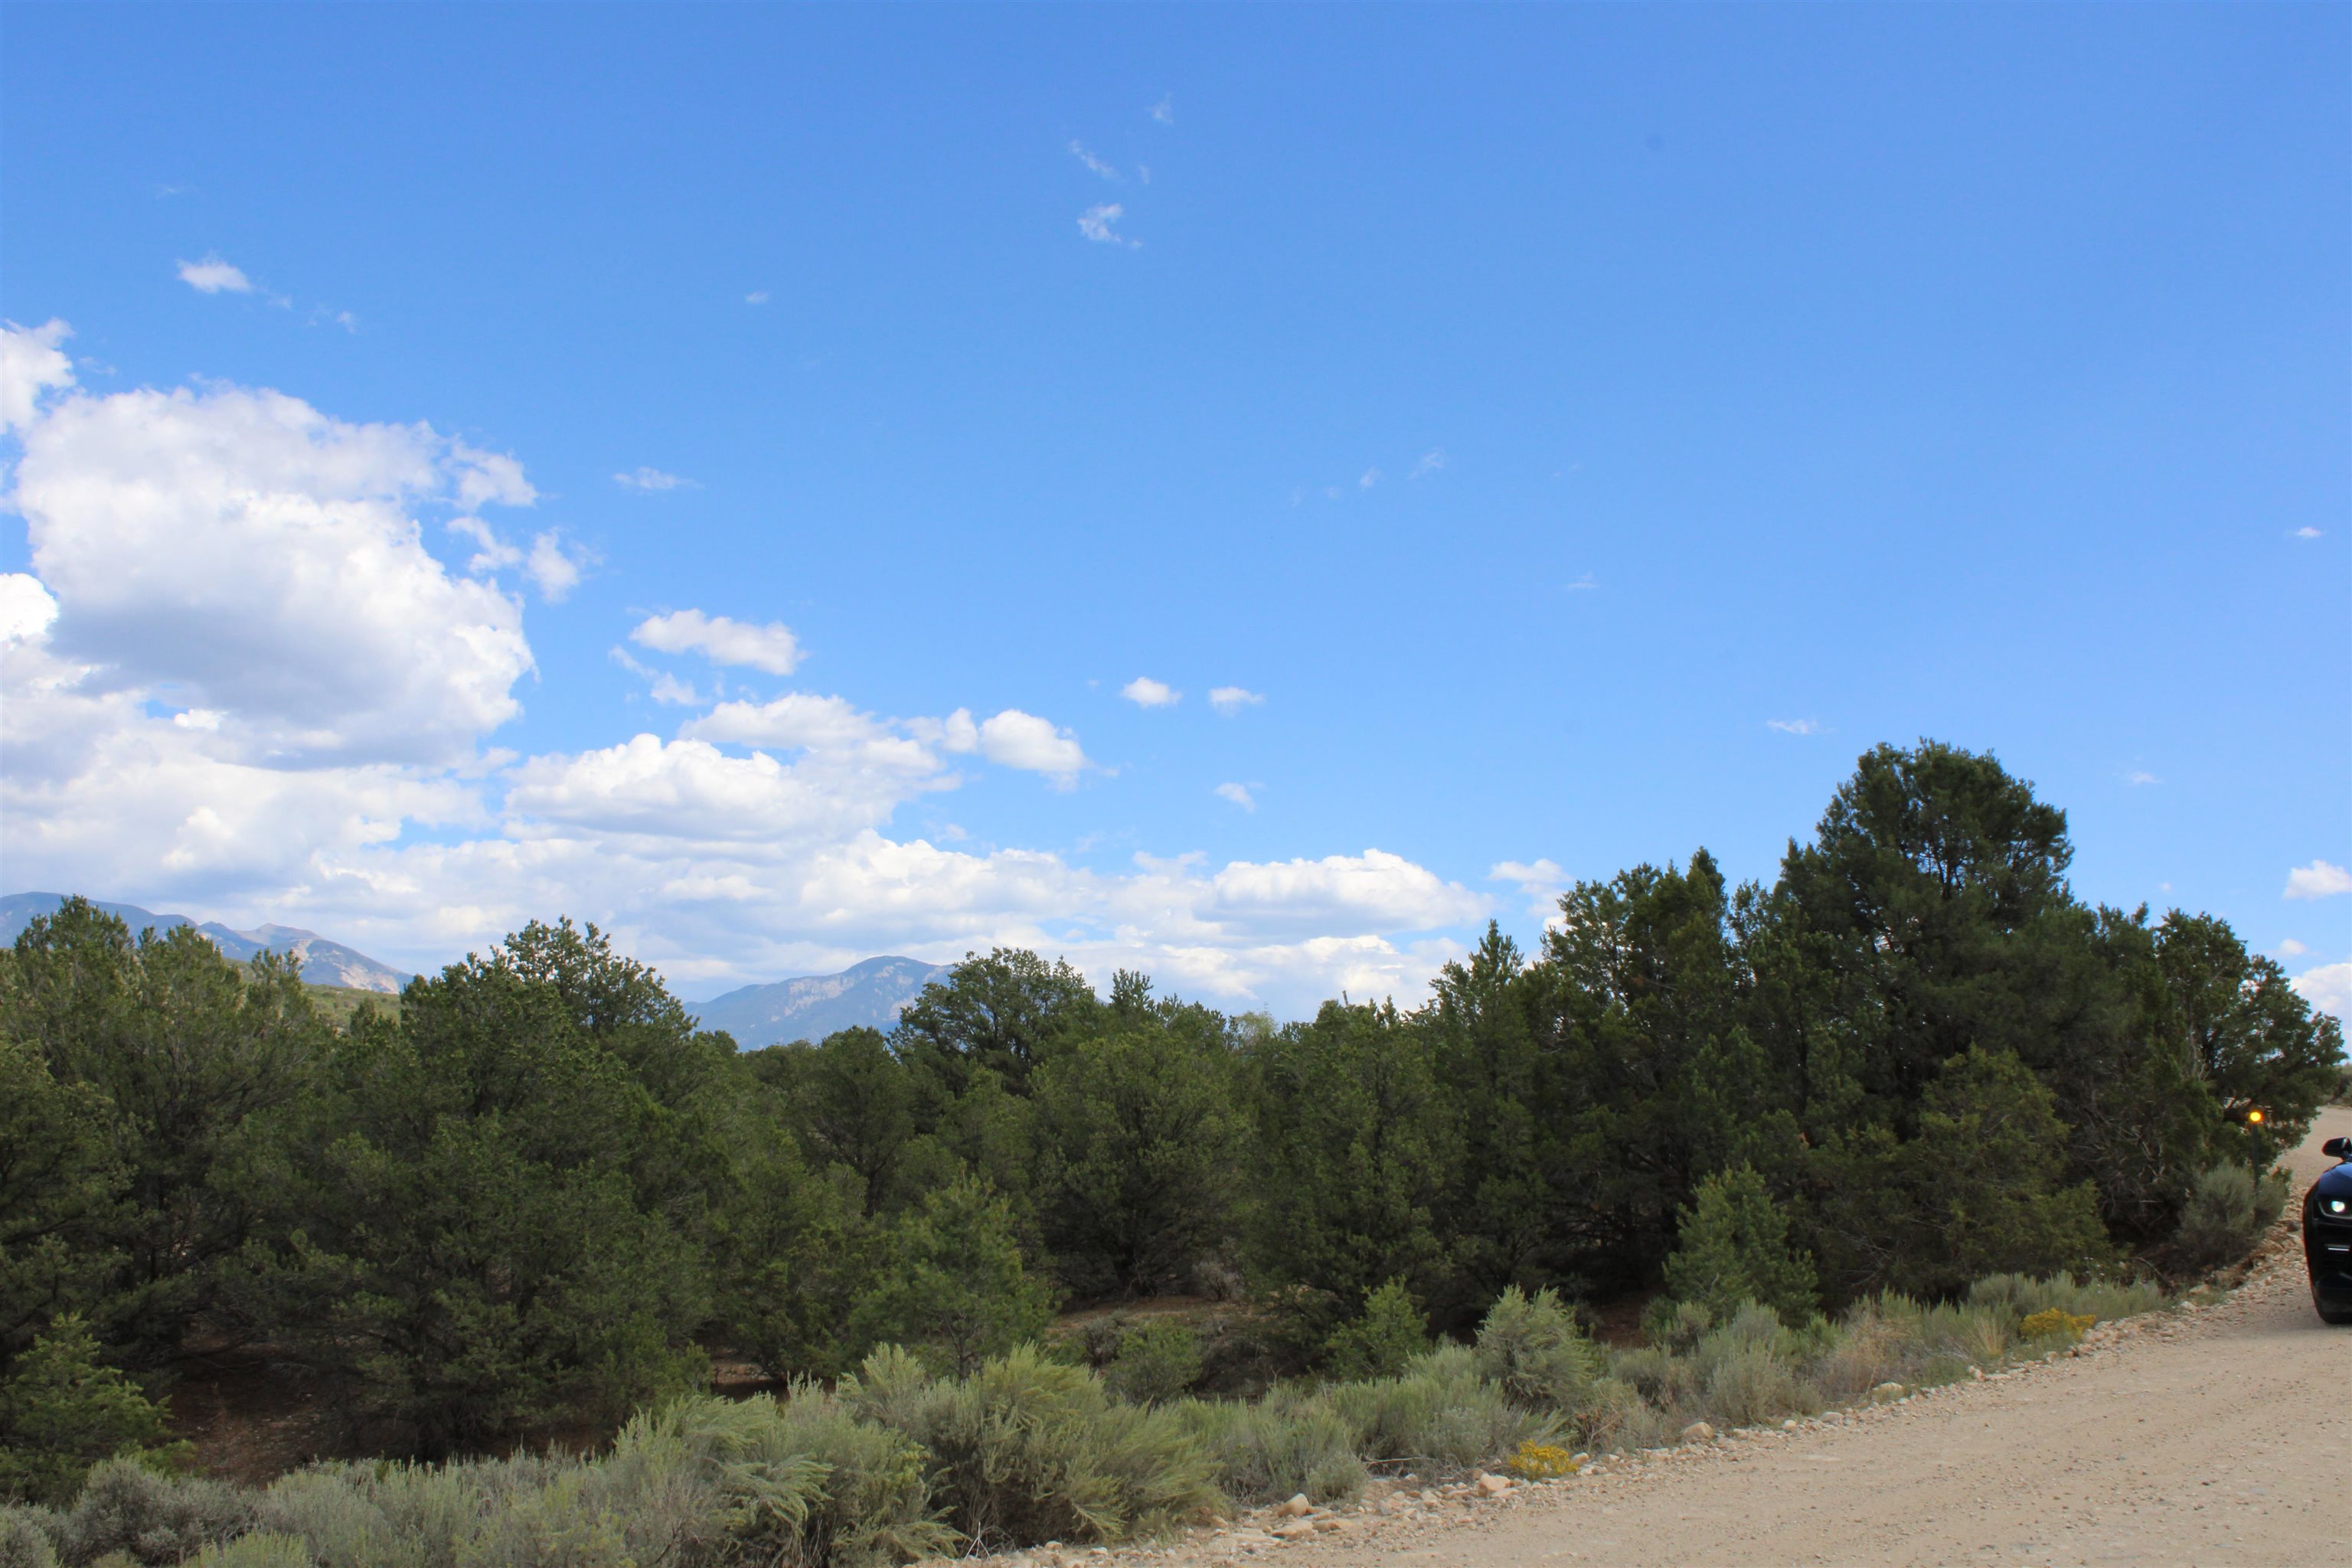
(2306, 531)
(235, 680)
(1098, 223)
(2320, 880)
(27, 610)
(1146, 692)
(1794, 726)
(1239, 795)
(2291, 947)
(1016, 740)
(214, 276)
(31, 362)
(771, 647)
(265, 558)
(651, 479)
(1231, 699)
(2328, 988)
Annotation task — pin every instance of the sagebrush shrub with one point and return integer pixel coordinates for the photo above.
(1285, 1444)
(155, 1519)
(2227, 1213)
(1026, 1450)
(27, 1537)
(1439, 1412)
(1531, 1348)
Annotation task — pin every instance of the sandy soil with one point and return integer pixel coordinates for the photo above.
(2218, 1433)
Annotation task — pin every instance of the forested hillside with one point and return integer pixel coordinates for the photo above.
(537, 1199)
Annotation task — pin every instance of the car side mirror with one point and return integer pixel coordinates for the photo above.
(2339, 1147)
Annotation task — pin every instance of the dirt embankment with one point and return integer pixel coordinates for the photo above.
(2216, 1434)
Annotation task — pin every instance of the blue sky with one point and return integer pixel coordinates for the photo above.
(1580, 431)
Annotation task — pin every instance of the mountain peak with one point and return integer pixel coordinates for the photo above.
(869, 994)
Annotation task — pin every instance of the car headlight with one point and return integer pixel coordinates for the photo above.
(2338, 1207)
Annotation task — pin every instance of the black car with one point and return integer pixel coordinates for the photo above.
(2327, 1235)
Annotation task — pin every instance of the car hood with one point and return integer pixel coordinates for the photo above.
(2334, 1183)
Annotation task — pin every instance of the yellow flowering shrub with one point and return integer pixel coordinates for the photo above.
(1541, 1462)
(2055, 1320)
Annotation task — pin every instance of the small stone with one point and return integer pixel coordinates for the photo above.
(1296, 1508)
(1887, 1393)
(1328, 1523)
(1297, 1529)
(1699, 1431)
(1494, 1486)
(1789, 1426)
(1977, 1372)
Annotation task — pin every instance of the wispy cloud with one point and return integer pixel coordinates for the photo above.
(2319, 880)
(1239, 795)
(214, 276)
(1231, 699)
(1585, 585)
(1795, 726)
(1096, 224)
(1146, 692)
(1079, 151)
(2140, 777)
(1430, 461)
(1542, 880)
(652, 480)
(1372, 476)
(2306, 531)
(756, 297)
(1164, 110)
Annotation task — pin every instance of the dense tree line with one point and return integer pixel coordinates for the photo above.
(539, 1195)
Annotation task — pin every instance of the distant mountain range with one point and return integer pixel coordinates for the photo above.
(324, 963)
(873, 993)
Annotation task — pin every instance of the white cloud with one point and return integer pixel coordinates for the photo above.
(1094, 165)
(2291, 947)
(1239, 795)
(1146, 692)
(2319, 880)
(236, 682)
(669, 687)
(1373, 891)
(2139, 776)
(27, 610)
(2328, 988)
(1794, 726)
(1542, 880)
(651, 479)
(771, 648)
(1164, 110)
(1430, 461)
(554, 570)
(214, 276)
(1096, 224)
(2306, 531)
(1231, 699)
(31, 364)
(756, 297)
(1372, 476)
(265, 558)
(1016, 740)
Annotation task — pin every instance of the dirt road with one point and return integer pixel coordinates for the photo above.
(2220, 1434)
